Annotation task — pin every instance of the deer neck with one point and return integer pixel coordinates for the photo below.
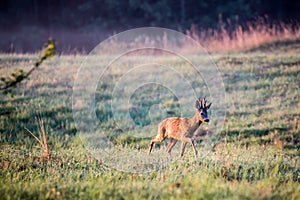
(195, 122)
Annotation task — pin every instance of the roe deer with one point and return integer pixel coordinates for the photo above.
(182, 129)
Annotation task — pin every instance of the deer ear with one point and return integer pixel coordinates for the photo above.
(197, 105)
(207, 107)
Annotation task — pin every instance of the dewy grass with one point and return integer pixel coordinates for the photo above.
(257, 157)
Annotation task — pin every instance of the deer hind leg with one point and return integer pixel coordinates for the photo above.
(158, 138)
(171, 145)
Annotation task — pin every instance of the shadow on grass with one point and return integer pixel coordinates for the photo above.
(274, 45)
(253, 132)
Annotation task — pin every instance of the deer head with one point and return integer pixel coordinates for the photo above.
(202, 107)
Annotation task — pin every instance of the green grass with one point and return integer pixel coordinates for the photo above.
(257, 157)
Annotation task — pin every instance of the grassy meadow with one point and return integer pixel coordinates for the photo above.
(257, 156)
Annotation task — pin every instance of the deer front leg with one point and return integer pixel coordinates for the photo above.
(195, 150)
(183, 144)
(191, 141)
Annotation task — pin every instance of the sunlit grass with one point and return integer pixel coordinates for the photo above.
(257, 157)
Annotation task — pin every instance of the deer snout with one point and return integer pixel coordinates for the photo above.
(206, 120)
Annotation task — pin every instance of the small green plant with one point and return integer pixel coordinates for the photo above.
(9, 82)
(42, 138)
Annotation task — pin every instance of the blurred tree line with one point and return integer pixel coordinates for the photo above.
(123, 14)
(79, 25)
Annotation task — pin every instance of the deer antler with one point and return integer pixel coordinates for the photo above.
(197, 104)
(201, 103)
(205, 101)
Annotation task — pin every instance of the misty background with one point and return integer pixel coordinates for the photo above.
(79, 25)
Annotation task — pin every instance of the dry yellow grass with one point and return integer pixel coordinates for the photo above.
(250, 36)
